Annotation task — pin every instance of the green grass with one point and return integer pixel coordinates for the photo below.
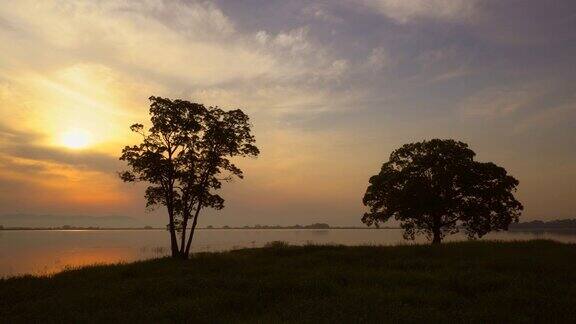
(479, 282)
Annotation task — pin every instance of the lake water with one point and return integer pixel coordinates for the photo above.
(45, 252)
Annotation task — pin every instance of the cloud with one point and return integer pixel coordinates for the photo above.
(502, 101)
(529, 23)
(9, 136)
(406, 11)
(36, 177)
(438, 55)
(185, 42)
(91, 65)
(529, 106)
(80, 160)
(294, 40)
(159, 47)
(564, 113)
(100, 58)
(321, 12)
(445, 63)
(23, 146)
(324, 83)
(378, 58)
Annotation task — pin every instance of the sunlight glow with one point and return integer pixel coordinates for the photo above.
(75, 139)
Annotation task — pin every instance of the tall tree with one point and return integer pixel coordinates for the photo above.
(226, 135)
(436, 188)
(184, 157)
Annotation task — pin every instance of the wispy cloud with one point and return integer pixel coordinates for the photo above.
(34, 176)
(502, 101)
(564, 113)
(406, 11)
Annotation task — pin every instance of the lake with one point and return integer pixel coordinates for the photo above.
(49, 251)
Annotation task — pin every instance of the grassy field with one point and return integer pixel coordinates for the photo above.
(457, 282)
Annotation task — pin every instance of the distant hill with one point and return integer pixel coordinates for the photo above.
(30, 220)
(555, 224)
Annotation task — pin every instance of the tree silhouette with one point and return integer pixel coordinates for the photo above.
(436, 188)
(185, 158)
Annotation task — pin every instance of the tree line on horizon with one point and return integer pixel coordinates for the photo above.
(434, 187)
(258, 226)
(557, 224)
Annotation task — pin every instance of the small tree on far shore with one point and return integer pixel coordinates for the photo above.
(436, 188)
(185, 157)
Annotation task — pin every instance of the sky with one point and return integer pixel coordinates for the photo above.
(331, 87)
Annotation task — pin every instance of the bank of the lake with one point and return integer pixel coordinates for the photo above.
(50, 251)
(531, 281)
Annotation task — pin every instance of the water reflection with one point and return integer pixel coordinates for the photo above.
(45, 252)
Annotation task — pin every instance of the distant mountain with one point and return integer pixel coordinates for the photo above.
(556, 224)
(30, 220)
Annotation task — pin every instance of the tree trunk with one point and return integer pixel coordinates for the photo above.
(183, 239)
(437, 238)
(170, 205)
(173, 241)
(436, 229)
(191, 235)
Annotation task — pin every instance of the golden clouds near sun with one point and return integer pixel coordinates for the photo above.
(76, 139)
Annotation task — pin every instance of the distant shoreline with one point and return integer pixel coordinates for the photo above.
(162, 228)
(517, 229)
(10, 222)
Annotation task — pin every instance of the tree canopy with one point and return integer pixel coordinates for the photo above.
(185, 156)
(436, 188)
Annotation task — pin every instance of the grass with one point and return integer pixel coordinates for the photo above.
(522, 282)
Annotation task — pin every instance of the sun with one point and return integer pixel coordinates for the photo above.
(75, 139)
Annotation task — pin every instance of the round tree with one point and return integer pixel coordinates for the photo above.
(436, 188)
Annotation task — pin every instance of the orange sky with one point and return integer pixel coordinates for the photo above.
(332, 87)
